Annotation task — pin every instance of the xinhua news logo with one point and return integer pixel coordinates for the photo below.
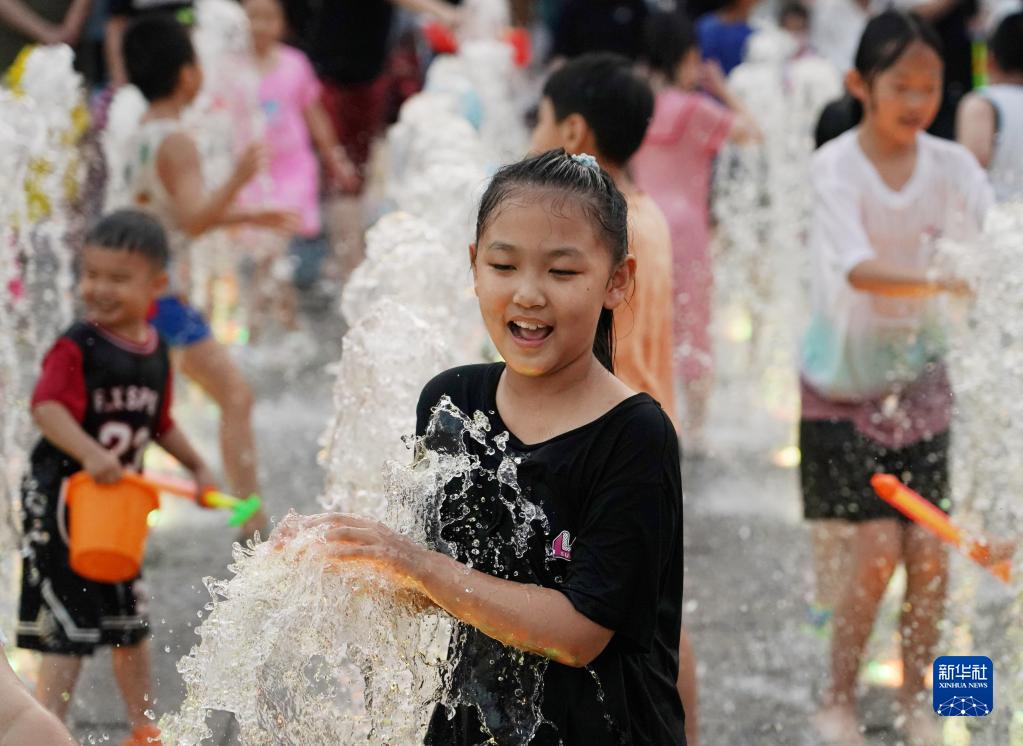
(964, 686)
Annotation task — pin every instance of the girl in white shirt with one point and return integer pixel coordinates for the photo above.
(875, 395)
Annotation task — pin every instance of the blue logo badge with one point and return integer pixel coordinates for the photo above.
(964, 686)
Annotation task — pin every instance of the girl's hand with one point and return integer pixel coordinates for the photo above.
(342, 171)
(955, 286)
(103, 466)
(351, 538)
(712, 79)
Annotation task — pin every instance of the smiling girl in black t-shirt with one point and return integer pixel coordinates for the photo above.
(594, 599)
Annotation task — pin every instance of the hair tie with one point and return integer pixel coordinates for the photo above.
(587, 160)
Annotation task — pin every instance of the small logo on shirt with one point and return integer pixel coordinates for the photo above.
(561, 547)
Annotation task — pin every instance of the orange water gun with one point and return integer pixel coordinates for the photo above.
(923, 513)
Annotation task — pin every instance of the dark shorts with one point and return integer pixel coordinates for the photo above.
(60, 611)
(838, 462)
(180, 324)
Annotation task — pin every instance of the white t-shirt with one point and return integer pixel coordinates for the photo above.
(861, 345)
(144, 190)
(1006, 166)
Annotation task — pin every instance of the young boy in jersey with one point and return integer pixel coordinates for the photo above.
(104, 394)
(164, 177)
(989, 122)
(597, 104)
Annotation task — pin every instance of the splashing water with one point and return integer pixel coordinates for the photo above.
(762, 201)
(305, 652)
(984, 359)
(42, 124)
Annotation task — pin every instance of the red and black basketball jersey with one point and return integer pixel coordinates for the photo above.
(119, 391)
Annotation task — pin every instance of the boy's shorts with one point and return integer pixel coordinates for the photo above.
(61, 612)
(180, 324)
(838, 462)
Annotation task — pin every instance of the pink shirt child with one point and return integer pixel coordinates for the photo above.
(673, 166)
(285, 92)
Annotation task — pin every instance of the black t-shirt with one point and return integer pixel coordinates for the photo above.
(612, 496)
(119, 392)
(348, 41)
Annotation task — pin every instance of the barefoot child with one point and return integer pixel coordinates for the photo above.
(596, 104)
(104, 394)
(165, 178)
(875, 395)
(598, 591)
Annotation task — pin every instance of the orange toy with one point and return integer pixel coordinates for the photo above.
(924, 514)
(107, 526)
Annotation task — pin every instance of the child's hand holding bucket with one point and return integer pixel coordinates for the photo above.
(103, 466)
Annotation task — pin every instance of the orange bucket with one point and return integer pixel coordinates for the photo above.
(107, 526)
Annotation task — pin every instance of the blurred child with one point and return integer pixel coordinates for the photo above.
(723, 33)
(165, 179)
(597, 104)
(990, 121)
(795, 19)
(104, 394)
(875, 394)
(686, 131)
(290, 95)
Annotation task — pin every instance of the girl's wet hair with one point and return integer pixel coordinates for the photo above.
(590, 188)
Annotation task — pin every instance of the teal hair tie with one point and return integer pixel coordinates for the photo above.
(585, 159)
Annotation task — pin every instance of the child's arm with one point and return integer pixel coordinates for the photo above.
(881, 278)
(176, 443)
(22, 18)
(744, 127)
(336, 161)
(59, 427)
(975, 126)
(529, 617)
(177, 163)
(23, 721)
(446, 14)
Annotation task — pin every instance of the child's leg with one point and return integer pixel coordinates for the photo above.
(831, 541)
(926, 580)
(688, 688)
(208, 364)
(57, 677)
(876, 549)
(134, 679)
